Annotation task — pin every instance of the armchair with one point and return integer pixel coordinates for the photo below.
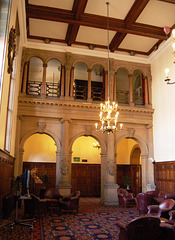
(70, 202)
(143, 200)
(162, 209)
(141, 228)
(125, 198)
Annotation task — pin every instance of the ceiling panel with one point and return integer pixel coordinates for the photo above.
(94, 36)
(158, 13)
(67, 4)
(47, 29)
(117, 8)
(137, 43)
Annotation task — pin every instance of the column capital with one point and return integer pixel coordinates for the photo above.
(89, 70)
(130, 75)
(45, 65)
(63, 120)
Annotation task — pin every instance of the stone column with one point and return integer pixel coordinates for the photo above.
(103, 175)
(43, 90)
(115, 88)
(144, 159)
(130, 91)
(58, 157)
(67, 80)
(110, 187)
(146, 90)
(150, 164)
(24, 83)
(89, 99)
(71, 82)
(62, 81)
(106, 85)
(64, 186)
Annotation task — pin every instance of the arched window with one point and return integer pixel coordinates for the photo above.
(98, 83)
(35, 76)
(53, 76)
(122, 86)
(138, 87)
(80, 85)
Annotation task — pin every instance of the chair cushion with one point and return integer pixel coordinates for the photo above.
(52, 193)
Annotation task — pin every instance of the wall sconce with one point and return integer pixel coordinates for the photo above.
(96, 145)
(167, 79)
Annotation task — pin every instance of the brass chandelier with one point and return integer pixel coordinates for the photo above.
(108, 114)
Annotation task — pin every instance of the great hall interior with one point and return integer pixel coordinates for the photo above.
(59, 62)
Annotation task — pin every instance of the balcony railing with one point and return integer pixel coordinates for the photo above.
(123, 97)
(34, 88)
(138, 98)
(52, 89)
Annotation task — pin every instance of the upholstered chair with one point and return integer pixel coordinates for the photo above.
(143, 200)
(125, 198)
(70, 202)
(141, 228)
(162, 209)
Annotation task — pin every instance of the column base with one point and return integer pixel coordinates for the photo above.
(110, 194)
(64, 188)
(150, 187)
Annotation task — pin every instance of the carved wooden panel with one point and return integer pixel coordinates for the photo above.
(165, 176)
(49, 168)
(6, 175)
(86, 178)
(134, 172)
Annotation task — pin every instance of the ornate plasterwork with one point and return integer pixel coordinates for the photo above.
(41, 126)
(110, 167)
(64, 166)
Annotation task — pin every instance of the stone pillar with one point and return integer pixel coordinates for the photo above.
(18, 151)
(150, 162)
(110, 187)
(24, 83)
(67, 80)
(89, 99)
(58, 157)
(103, 175)
(115, 88)
(62, 80)
(71, 82)
(64, 186)
(144, 159)
(130, 91)
(146, 90)
(43, 91)
(106, 85)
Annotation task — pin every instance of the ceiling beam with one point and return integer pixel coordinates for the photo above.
(90, 20)
(168, 1)
(72, 31)
(130, 18)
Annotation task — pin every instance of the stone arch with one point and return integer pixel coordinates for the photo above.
(140, 70)
(36, 56)
(122, 66)
(80, 61)
(98, 63)
(53, 58)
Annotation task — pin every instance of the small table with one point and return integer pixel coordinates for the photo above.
(163, 220)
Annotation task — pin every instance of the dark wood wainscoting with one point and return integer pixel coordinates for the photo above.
(87, 179)
(6, 175)
(165, 176)
(134, 171)
(49, 168)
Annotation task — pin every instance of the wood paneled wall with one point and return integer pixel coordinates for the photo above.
(165, 176)
(6, 175)
(49, 168)
(86, 178)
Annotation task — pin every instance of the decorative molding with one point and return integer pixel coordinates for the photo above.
(11, 49)
(88, 130)
(64, 166)
(110, 167)
(131, 132)
(41, 127)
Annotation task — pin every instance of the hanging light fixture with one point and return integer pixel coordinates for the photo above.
(167, 79)
(108, 114)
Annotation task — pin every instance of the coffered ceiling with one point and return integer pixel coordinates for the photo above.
(135, 26)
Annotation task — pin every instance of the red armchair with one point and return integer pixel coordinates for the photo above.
(70, 203)
(141, 228)
(125, 198)
(143, 200)
(163, 209)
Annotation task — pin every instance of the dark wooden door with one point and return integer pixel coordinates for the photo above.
(86, 178)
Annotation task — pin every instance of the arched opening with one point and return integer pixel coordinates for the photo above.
(98, 83)
(138, 88)
(40, 154)
(35, 76)
(53, 76)
(122, 86)
(80, 84)
(86, 166)
(129, 165)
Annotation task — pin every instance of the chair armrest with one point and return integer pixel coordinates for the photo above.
(121, 225)
(172, 214)
(153, 208)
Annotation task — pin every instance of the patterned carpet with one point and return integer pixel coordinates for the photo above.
(94, 221)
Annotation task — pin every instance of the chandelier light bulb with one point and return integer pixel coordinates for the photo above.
(173, 33)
